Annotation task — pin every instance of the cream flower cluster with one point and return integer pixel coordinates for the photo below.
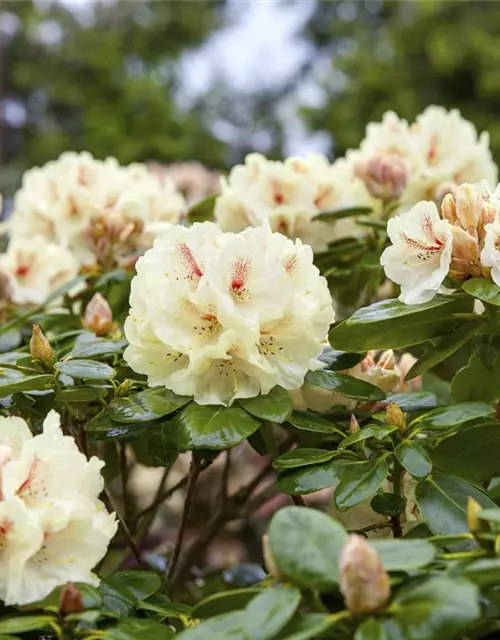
(383, 370)
(62, 199)
(220, 316)
(424, 160)
(32, 268)
(53, 529)
(289, 196)
(463, 243)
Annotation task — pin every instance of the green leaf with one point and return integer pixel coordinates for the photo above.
(81, 394)
(472, 453)
(203, 210)
(12, 382)
(160, 445)
(442, 501)
(302, 458)
(161, 605)
(137, 629)
(483, 289)
(338, 214)
(391, 324)
(404, 555)
(146, 405)
(269, 612)
(224, 627)
(88, 345)
(308, 627)
(413, 401)
(475, 382)
(345, 385)
(455, 415)
(275, 406)
(141, 584)
(371, 629)
(388, 504)
(437, 609)
(339, 360)
(21, 624)
(447, 347)
(85, 369)
(117, 600)
(484, 572)
(212, 427)
(377, 431)
(309, 421)
(311, 478)
(414, 458)
(359, 481)
(306, 545)
(224, 602)
(491, 515)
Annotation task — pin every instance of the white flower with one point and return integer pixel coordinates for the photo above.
(61, 199)
(221, 316)
(490, 255)
(289, 195)
(53, 528)
(33, 268)
(420, 255)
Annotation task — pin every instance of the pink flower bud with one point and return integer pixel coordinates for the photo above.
(98, 316)
(385, 175)
(70, 600)
(363, 581)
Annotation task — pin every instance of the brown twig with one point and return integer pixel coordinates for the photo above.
(129, 538)
(194, 472)
(165, 496)
(299, 501)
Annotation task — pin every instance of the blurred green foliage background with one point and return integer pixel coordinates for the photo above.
(108, 80)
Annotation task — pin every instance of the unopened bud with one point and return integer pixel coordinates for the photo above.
(70, 600)
(124, 388)
(473, 522)
(465, 256)
(395, 415)
(385, 175)
(387, 360)
(469, 204)
(448, 209)
(98, 316)
(269, 561)
(363, 581)
(40, 348)
(443, 190)
(353, 424)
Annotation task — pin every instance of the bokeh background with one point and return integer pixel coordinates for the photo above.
(170, 80)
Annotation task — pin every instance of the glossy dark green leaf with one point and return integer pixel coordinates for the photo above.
(81, 394)
(413, 401)
(414, 458)
(388, 504)
(437, 609)
(447, 347)
(338, 214)
(345, 385)
(212, 427)
(307, 627)
(224, 627)
(371, 629)
(452, 416)
(339, 360)
(88, 345)
(303, 457)
(117, 600)
(403, 555)
(141, 584)
(161, 605)
(391, 324)
(377, 431)
(483, 289)
(139, 629)
(224, 602)
(146, 405)
(85, 369)
(442, 501)
(159, 446)
(311, 478)
(275, 406)
(309, 421)
(269, 612)
(306, 545)
(21, 624)
(202, 210)
(101, 423)
(475, 382)
(360, 481)
(473, 453)
(13, 382)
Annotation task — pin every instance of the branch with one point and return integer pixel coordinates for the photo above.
(129, 538)
(194, 472)
(165, 496)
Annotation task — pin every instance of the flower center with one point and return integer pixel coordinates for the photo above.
(22, 271)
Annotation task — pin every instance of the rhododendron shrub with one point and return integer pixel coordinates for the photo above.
(198, 438)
